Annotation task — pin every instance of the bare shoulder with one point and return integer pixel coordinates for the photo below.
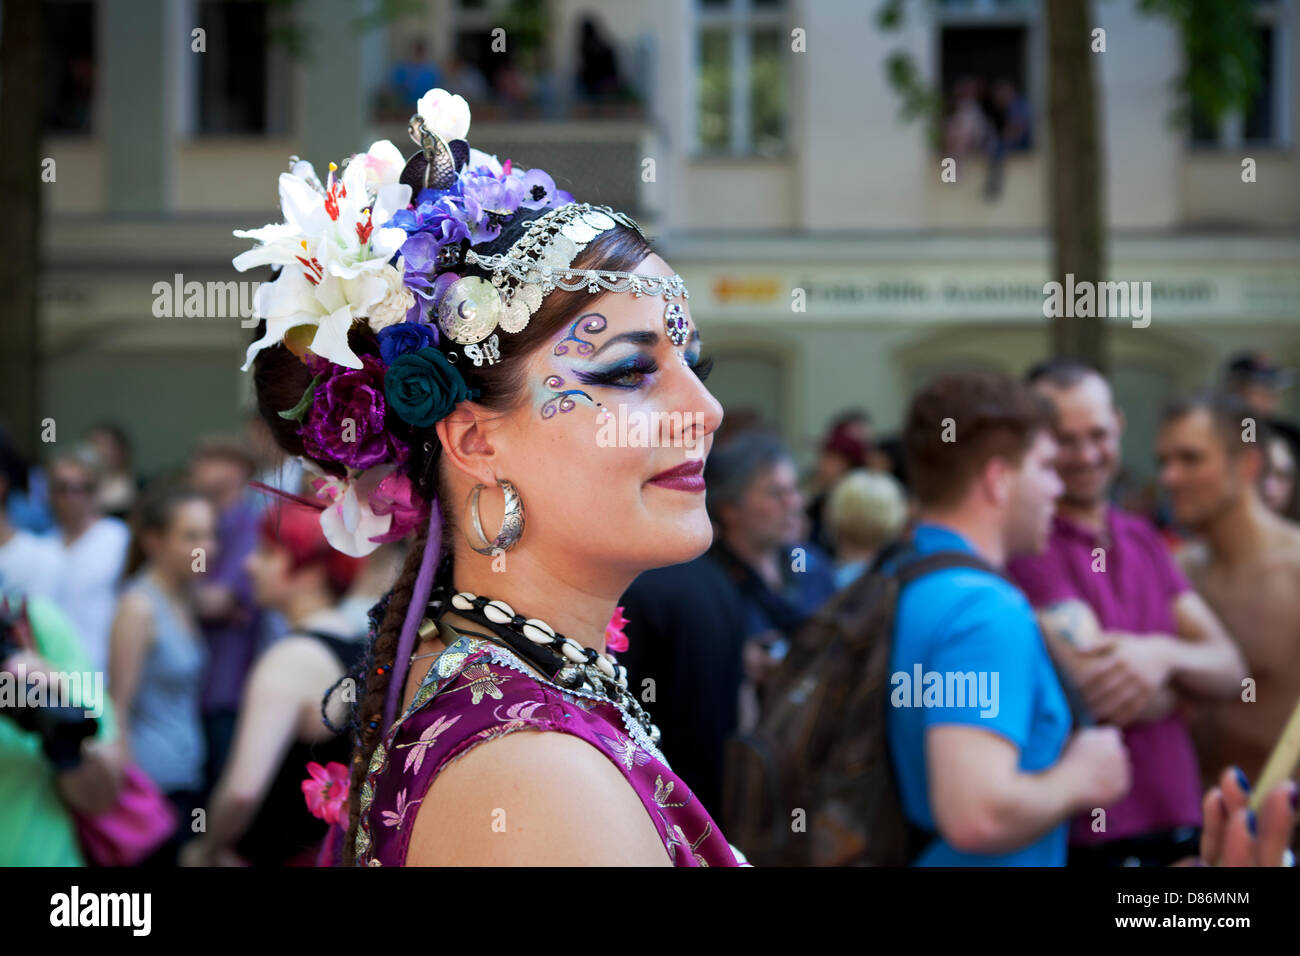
(533, 798)
(134, 613)
(293, 661)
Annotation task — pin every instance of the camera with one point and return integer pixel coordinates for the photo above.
(62, 730)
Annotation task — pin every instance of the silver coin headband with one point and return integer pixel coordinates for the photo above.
(472, 308)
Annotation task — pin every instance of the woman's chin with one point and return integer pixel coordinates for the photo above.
(688, 539)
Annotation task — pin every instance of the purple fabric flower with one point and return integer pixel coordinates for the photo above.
(433, 228)
(485, 193)
(357, 396)
(404, 337)
(539, 189)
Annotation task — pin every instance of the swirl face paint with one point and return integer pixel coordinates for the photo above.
(592, 323)
(560, 400)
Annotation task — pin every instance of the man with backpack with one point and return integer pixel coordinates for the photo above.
(990, 781)
(918, 718)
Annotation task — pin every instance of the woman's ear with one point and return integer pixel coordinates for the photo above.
(466, 443)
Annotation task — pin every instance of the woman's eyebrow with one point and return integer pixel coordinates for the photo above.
(642, 337)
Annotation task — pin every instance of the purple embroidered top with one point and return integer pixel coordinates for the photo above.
(476, 690)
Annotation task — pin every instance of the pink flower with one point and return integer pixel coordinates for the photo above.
(326, 790)
(615, 639)
(394, 495)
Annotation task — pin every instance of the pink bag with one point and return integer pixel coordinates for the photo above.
(138, 825)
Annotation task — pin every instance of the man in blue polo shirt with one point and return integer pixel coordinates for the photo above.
(979, 727)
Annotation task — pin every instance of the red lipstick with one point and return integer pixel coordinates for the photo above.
(685, 477)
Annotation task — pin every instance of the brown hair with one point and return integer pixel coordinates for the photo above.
(1228, 414)
(959, 422)
(225, 448)
(280, 379)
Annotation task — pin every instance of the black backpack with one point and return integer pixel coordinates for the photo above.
(813, 784)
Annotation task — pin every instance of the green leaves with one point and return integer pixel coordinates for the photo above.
(299, 411)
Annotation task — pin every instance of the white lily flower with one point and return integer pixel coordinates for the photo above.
(445, 114)
(292, 300)
(334, 254)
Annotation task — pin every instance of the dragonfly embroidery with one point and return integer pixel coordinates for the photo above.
(625, 750)
(415, 755)
(397, 817)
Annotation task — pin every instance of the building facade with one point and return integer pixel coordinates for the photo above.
(834, 259)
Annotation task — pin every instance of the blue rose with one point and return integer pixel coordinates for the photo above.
(423, 387)
(402, 337)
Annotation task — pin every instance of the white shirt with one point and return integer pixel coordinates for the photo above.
(29, 564)
(89, 571)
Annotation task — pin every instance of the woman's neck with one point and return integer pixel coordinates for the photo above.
(165, 582)
(303, 605)
(575, 602)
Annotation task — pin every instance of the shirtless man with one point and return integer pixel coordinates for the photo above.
(1246, 566)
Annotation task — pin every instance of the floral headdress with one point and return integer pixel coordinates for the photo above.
(381, 241)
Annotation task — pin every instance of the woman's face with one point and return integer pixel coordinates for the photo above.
(267, 567)
(612, 403)
(193, 526)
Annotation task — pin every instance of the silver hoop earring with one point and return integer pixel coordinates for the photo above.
(512, 524)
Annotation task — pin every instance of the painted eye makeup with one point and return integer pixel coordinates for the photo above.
(701, 366)
(628, 373)
(631, 372)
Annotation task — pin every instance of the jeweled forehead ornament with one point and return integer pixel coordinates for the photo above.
(537, 264)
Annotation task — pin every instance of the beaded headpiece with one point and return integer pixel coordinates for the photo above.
(537, 264)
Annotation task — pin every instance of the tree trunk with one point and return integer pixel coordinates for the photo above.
(20, 185)
(1075, 174)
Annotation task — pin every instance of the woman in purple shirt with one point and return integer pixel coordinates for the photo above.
(524, 351)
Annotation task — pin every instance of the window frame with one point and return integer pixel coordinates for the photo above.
(739, 18)
(1230, 135)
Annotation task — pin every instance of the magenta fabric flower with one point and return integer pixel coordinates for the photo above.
(326, 790)
(615, 639)
(394, 495)
(357, 396)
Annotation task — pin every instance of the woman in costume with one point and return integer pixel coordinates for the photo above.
(456, 344)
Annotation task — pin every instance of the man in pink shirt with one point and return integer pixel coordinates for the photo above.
(1126, 631)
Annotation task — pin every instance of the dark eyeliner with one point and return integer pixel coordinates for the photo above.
(702, 367)
(612, 377)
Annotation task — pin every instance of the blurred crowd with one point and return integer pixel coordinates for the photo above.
(273, 617)
(1223, 513)
(217, 682)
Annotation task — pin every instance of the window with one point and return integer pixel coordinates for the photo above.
(515, 81)
(69, 81)
(742, 93)
(232, 72)
(985, 75)
(1264, 120)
